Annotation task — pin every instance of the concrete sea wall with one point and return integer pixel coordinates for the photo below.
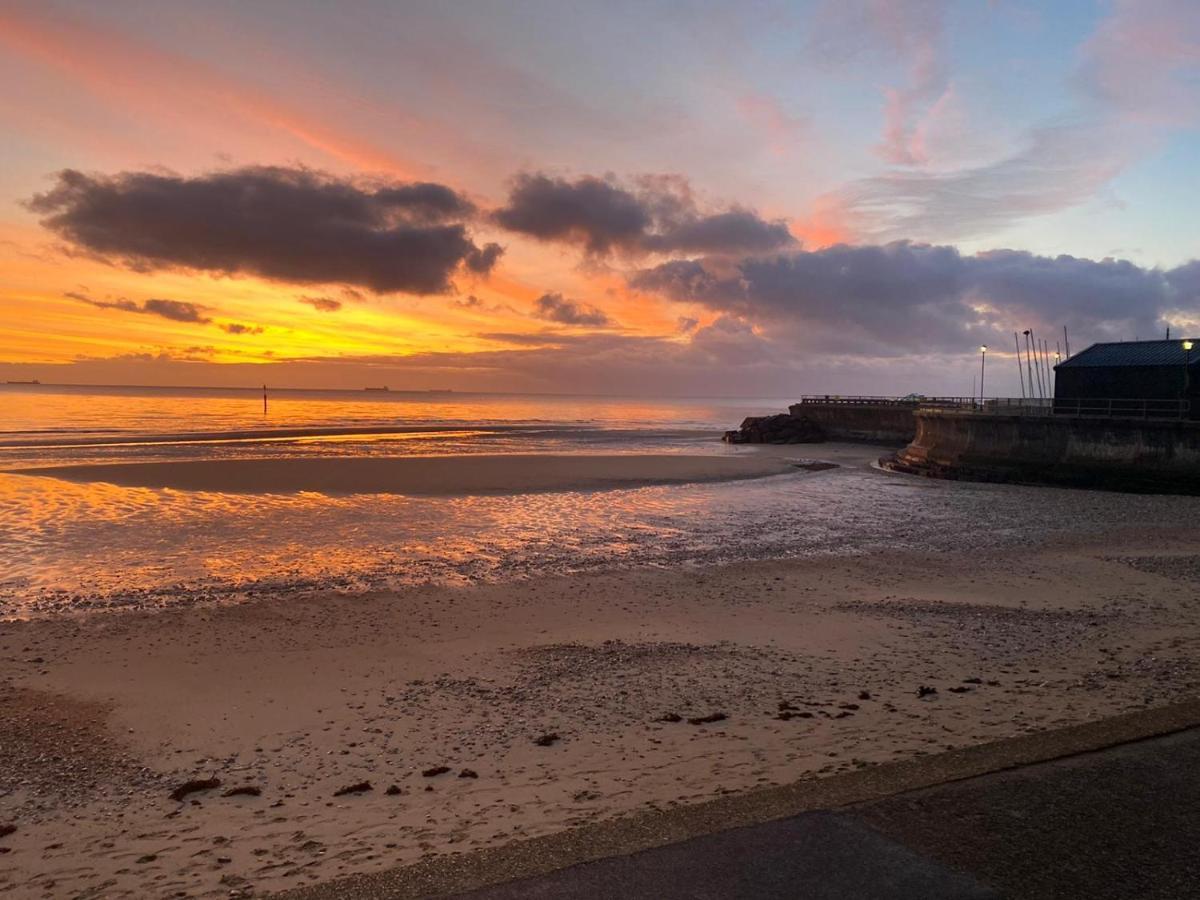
(890, 423)
(1149, 455)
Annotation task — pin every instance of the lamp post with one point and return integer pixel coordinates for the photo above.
(982, 369)
(1187, 368)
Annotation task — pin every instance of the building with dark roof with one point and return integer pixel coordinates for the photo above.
(1135, 370)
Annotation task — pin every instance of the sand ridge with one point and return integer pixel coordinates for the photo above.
(424, 475)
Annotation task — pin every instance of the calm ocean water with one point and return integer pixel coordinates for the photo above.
(46, 421)
(68, 547)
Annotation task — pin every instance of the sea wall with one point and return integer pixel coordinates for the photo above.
(885, 423)
(1147, 455)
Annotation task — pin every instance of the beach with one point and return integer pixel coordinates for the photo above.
(368, 730)
(237, 660)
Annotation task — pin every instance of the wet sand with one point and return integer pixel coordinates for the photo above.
(548, 703)
(434, 476)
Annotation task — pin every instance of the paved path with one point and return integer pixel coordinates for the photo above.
(819, 855)
(1109, 809)
(1121, 823)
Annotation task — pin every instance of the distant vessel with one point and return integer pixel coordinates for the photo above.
(34, 381)
(384, 388)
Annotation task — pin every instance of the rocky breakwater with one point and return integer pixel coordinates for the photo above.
(784, 428)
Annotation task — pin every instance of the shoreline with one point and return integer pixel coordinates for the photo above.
(304, 696)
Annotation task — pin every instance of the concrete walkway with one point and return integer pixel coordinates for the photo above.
(1105, 810)
(1122, 823)
(820, 855)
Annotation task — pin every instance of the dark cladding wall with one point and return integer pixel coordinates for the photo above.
(884, 424)
(1112, 382)
(1160, 456)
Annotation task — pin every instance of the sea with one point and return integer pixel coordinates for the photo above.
(81, 548)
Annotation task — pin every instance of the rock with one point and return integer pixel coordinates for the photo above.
(468, 773)
(195, 785)
(785, 706)
(671, 717)
(547, 740)
(436, 771)
(393, 791)
(926, 691)
(148, 858)
(249, 790)
(960, 689)
(788, 714)
(864, 695)
(6, 830)
(779, 429)
(361, 788)
(972, 681)
(850, 706)
(706, 720)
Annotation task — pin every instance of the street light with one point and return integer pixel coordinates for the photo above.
(1187, 369)
(982, 369)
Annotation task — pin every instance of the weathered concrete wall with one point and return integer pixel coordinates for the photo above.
(884, 424)
(1123, 454)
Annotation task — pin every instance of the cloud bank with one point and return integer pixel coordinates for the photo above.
(657, 214)
(279, 223)
(905, 298)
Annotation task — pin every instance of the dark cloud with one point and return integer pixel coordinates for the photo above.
(286, 224)
(482, 260)
(654, 215)
(175, 310)
(324, 304)
(556, 308)
(119, 303)
(426, 202)
(240, 328)
(905, 298)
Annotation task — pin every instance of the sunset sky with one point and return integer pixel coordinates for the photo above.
(654, 198)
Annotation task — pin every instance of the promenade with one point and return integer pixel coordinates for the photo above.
(1110, 809)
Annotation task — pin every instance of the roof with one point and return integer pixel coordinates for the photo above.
(1134, 353)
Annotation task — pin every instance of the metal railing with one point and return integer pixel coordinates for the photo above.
(866, 400)
(1093, 407)
(1102, 408)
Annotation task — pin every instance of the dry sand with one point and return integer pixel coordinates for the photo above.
(423, 475)
(815, 665)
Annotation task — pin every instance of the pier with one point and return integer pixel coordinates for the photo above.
(1119, 443)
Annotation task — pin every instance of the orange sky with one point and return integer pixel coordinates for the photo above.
(745, 115)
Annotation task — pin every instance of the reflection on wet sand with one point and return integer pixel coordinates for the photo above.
(81, 546)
